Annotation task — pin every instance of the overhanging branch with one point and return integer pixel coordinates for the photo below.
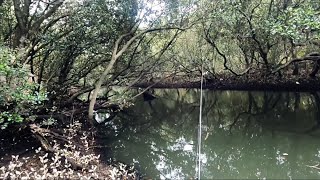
(309, 57)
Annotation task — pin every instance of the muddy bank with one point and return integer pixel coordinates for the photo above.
(238, 83)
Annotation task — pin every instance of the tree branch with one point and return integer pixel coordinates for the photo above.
(309, 57)
(115, 55)
(213, 44)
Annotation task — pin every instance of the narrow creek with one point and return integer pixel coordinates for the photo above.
(256, 135)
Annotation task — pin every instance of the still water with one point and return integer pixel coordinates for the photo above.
(256, 135)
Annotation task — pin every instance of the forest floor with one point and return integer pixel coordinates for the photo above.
(74, 154)
(248, 83)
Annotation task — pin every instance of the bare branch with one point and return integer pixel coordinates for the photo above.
(309, 57)
(225, 60)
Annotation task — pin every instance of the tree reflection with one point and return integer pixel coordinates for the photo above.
(245, 134)
(317, 113)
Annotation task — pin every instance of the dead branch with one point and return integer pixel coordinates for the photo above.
(314, 166)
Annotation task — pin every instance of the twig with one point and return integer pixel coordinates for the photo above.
(314, 166)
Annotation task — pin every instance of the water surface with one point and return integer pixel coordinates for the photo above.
(256, 135)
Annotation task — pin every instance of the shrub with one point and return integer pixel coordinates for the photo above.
(17, 95)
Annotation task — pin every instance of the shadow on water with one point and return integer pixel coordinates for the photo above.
(271, 135)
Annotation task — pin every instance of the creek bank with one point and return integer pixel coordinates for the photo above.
(241, 83)
(67, 151)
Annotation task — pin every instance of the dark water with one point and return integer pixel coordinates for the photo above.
(256, 135)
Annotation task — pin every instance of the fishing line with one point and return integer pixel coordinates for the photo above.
(200, 125)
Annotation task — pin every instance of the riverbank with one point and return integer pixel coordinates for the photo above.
(46, 153)
(298, 84)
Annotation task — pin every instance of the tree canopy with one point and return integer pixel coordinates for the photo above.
(68, 49)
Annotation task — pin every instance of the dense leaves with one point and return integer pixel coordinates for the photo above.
(297, 23)
(17, 98)
(57, 57)
(67, 45)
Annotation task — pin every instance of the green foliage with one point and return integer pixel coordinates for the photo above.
(72, 59)
(73, 45)
(259, 34)
(296, 23)
(6, 20)
(17, 97)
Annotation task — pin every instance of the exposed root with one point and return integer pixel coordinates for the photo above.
(41, 133)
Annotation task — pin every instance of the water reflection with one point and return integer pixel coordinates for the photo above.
(245, 135)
